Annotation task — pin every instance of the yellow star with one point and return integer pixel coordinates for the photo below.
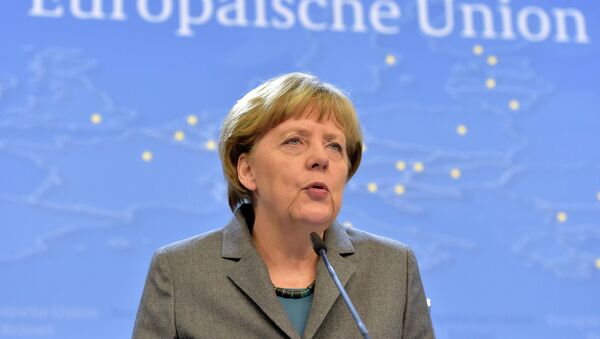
(461, 130)
(400, 165)
(96, 118)
(390, 59)
(399, 189)
(418, 166)
(192, 120)
(477, 49)
(490, 83)
(147, 156)
(372, 187)
(455, 173)
(179, 135)
(561, 217)
(210, 145)
(514, 105)
(492, 60)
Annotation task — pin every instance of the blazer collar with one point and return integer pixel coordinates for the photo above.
(251, 275)
(339, 251)
(237, 239)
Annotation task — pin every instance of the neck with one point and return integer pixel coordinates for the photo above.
(287, 251)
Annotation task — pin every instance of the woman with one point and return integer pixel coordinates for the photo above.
(288, 147)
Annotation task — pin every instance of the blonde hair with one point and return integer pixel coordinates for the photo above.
(273, 102)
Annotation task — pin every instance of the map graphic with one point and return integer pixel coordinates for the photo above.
(481, 155)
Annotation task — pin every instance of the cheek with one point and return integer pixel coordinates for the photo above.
(342, 172)
(275, 176)
(340, 189)
(340, 181)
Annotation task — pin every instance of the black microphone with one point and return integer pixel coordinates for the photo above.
(321, 249)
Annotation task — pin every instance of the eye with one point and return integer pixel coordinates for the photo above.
(293, 141)
(337, 147)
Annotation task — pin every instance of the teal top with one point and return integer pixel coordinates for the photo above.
(296, 302)
(297, 310)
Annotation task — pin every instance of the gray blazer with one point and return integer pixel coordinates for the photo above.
(216, 285)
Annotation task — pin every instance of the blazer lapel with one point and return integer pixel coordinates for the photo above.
(250, 273)
(338, 247)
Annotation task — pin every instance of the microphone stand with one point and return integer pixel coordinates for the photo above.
(321, 249)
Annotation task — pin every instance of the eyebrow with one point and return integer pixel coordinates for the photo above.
(304, 131)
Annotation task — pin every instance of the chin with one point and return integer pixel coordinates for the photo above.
(320, 219)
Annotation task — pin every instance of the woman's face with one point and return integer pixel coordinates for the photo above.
(298, 171)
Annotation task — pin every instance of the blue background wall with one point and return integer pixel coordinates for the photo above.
(482, 154)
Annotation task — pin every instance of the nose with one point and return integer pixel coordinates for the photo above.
(317, 158)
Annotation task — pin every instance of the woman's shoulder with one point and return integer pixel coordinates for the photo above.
(205, 243)
(364, 241)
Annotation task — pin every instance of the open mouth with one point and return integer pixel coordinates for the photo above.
(317, 186)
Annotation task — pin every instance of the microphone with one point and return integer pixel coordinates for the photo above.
(321, 249)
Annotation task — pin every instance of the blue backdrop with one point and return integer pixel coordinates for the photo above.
(481, 134)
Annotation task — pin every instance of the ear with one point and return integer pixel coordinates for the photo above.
(245, 173)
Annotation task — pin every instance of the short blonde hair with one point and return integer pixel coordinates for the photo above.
(273, 102)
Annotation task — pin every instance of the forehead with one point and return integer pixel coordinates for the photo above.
(311, 122)
(316, 113)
